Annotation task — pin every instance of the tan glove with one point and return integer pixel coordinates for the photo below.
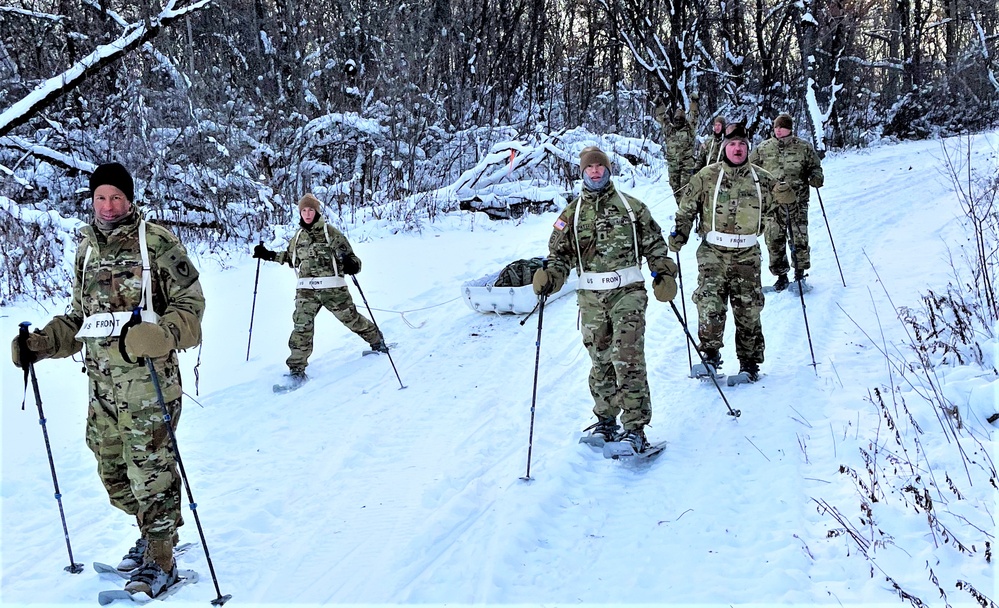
(149, 340)
(664, 284)
(546, 282)
(664, 287)
(675, 242)
(817, 180)
(784, 194)
(39, 347)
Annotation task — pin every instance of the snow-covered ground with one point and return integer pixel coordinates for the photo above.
(354, 491)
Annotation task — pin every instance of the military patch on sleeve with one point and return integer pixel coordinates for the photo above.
(560, 224)
(176, 263)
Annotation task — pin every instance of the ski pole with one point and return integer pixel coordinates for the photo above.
(253, 308)
(683, 303)
(167, 421)
(537, 365)
(801, 292)
(360, 291)
(530, 314)
(829, 230)
(29, 370)
(731, 412)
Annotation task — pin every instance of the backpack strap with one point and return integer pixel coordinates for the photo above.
(759, 196)
(293, 244)
(146, 299)
(631, 216)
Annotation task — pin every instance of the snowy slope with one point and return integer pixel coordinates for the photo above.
(355, 491)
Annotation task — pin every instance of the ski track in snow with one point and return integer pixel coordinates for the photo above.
(352, 490)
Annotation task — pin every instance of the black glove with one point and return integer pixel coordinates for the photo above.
(263, 253)
(350, 264)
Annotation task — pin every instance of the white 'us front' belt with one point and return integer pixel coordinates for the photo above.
(736, 241)
(321, 282)
(598, 281)
(109, 324)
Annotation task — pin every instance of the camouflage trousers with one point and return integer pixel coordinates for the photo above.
(679, 177)
(775, 233)
(613, 326)
(126, 432)
(730, 275)
(308, 302)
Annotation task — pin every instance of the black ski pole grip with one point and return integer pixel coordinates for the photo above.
(134, 320)
(25, 355)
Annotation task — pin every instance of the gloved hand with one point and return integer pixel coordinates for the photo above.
(816, 180)
(664, 287)
(263, 253)
(546, 282)
(784, 194)
(39, 347)
(660, 115)
(664, 282)
(350, 264)
(149, 340)
(695, 96)
(675, 242)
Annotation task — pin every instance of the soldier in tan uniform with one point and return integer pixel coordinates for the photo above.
(604, 235)
(124, 262)
(322, 257)
(680, 142)
(791, 159)
(731, 200)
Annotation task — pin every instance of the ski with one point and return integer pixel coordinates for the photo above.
(102, 568)
(365, 353)
(740, 378)
(290, 384)
(184, 577)
(617, 450)
(792, 288)
(594, 441)
(704, 371)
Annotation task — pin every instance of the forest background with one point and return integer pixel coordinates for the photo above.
(226, 111)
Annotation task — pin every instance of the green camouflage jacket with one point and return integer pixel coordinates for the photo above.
(316, 251)
(710, 151)
(606, 235)
(681, 142)
(793, 160)
(740, 209)
(112, 282)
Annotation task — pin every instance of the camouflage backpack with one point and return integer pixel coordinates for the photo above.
(519, 273)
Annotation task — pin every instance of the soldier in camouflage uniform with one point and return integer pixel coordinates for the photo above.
(322, 257)
(790, 159)
(710, 151)
(124, 262)
(604, 235)
(681, 140)
(731, 201)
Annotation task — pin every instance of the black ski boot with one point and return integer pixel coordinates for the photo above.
(606, 429)
(151, 579)
(380, 347)
(782, 282)
(751, 369)
(799, 275)
(636, 437)
(135, 556)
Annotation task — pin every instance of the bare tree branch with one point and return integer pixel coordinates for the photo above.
(22, 111)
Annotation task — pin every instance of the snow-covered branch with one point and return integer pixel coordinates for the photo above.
(23, 110)
(48, 154)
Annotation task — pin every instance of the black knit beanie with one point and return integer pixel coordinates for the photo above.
(113, 174)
